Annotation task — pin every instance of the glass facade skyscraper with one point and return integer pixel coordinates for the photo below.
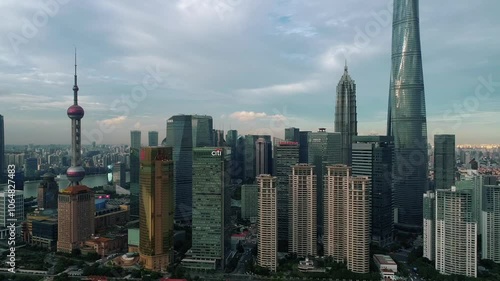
(372, 158)
(292, 134)
(2, 148)
(286, 155)
(135, 148)
(180, 138)
(203, 129)
(346, 121)
(444, 161)
(250, 157)
(323, 149)
(211, 209)
(152, 138)
(406, 115)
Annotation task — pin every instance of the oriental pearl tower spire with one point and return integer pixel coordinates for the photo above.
(76, 172)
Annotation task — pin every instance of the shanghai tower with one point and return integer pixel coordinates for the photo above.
(406, 116)
(346, 121)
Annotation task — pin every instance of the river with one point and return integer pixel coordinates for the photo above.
(31, 188)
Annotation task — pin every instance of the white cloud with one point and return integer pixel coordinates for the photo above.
(251, 115)
(114, 121)
(283, 89)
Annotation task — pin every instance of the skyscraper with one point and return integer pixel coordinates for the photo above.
(211, 209)
(292, 134)
(303, 207)
(324, 149)
(456, 232)
(347, 218)
(490, 217)
(429, 236)
(231, 137)
(2, 148)
(304, 146)
(152, 138)
(444, 161)
(262, 155)
(372, 157)
(76, 208)
(286, 155)
(156, 216)
(346, 121)
(135, 148)
(249, 201)
(180, 138)
(250, 157)
(406, 115)
(218, 138)
(358, 225)
(337, 181)
(119, 175)
(267, 255)
(48, 191)
(203, 126)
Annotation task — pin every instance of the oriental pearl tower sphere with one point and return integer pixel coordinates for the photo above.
(76, 172)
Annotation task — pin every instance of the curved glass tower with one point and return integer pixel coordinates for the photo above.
(406, 116)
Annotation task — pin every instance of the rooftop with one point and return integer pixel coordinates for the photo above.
(76, 189)
(384, 259)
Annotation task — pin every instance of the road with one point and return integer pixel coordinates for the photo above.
(402, 257)
(242, 263)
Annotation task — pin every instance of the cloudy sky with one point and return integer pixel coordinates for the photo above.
(254, 65)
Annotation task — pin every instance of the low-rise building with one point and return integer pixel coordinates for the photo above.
(388, 268)
(106, 245)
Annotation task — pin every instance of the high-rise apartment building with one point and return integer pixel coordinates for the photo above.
(337, 181)
(323, 149)
(444, 161)
(135, 148)
(303, 208)
(267, 255)
(119, 174)
(358, 225)
(347, 218)
(7, 217)
(406, 120)
(156, 216)
(76, 208)
(346, 122)
(286, 155)
(490, 218)
(262, 155)
(372, 157)
(429, 235)
(5, 211)
(292, 134)
(48, 192)
(456, 232)
(153, 138)
(249, 201)
(211, 209)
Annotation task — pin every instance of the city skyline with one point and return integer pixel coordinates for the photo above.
(305, 48)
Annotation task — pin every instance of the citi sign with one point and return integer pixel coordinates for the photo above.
(217, 152)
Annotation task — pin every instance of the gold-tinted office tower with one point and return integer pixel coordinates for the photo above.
(156, 208)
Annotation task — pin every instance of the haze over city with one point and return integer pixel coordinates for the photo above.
(257, 66)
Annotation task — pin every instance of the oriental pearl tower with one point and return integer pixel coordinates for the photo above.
(76, 172)
(76, 203)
